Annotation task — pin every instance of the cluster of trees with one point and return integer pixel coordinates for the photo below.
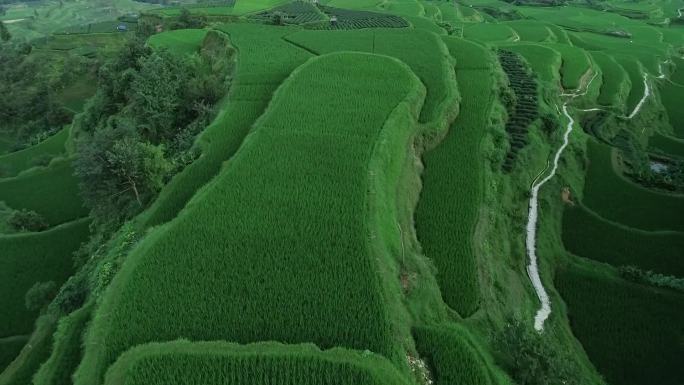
(531, 360)
(139, 128)
(30, 86)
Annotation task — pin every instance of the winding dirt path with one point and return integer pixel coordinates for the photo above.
(647, 93)
(533, 216)
(531, 239)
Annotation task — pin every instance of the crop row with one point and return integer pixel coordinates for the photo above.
(422, 51)
(351, 19)
(455, 357)
(215, 363)
(619, 245)
(524, 110)
(271, 250)
(631, 333)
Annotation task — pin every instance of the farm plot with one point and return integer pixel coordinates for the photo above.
(29, 258)
(422, 51)
(179, 42)
(214, 363)
(576, 65)
(455, 357)
(616, 84)
(632, 333)
(296, 12)
(264, 61)
(544, 61)
(489, 32)
(667, 145)
(672, 95)
(51, 192)
(587, 235)
(37, 155)
(617, 199)
(531, 30)
(450, 200)
(269, 261)
(635, 71)
(9, 348)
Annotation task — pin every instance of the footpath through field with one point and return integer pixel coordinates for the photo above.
(533, 214)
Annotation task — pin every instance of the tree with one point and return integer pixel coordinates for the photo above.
(139, 167)
(40, 295)
(531, 360)
(27, 220)
(157, 94)
(4, 33)
(119, 172)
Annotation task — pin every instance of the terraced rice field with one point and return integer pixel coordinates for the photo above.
(30, 258)
(441, 223)
(587, 235)
(329, 280)
(615, 198)
(354, 212)
(632, 333)
(31, 190)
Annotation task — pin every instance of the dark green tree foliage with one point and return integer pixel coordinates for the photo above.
(139, 127)
(187, 20)
(4, 33)
(40, 295)
(530, 360)
(30, 86)
(27, 220)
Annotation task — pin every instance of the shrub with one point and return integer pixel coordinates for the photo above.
(27, 220)
(40, 295)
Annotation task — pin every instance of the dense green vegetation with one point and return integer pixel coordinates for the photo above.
(265, 363)
(422, 51)
(337, 192)
(442, 224)
(522, 107)
(616, 84)
(139, 128)
(31, 258)
(52, 192)
(285, 273)
(615, 198)
(37, 155)
(455, 357)
(632, 333)
(588, 235)
(265, 60)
